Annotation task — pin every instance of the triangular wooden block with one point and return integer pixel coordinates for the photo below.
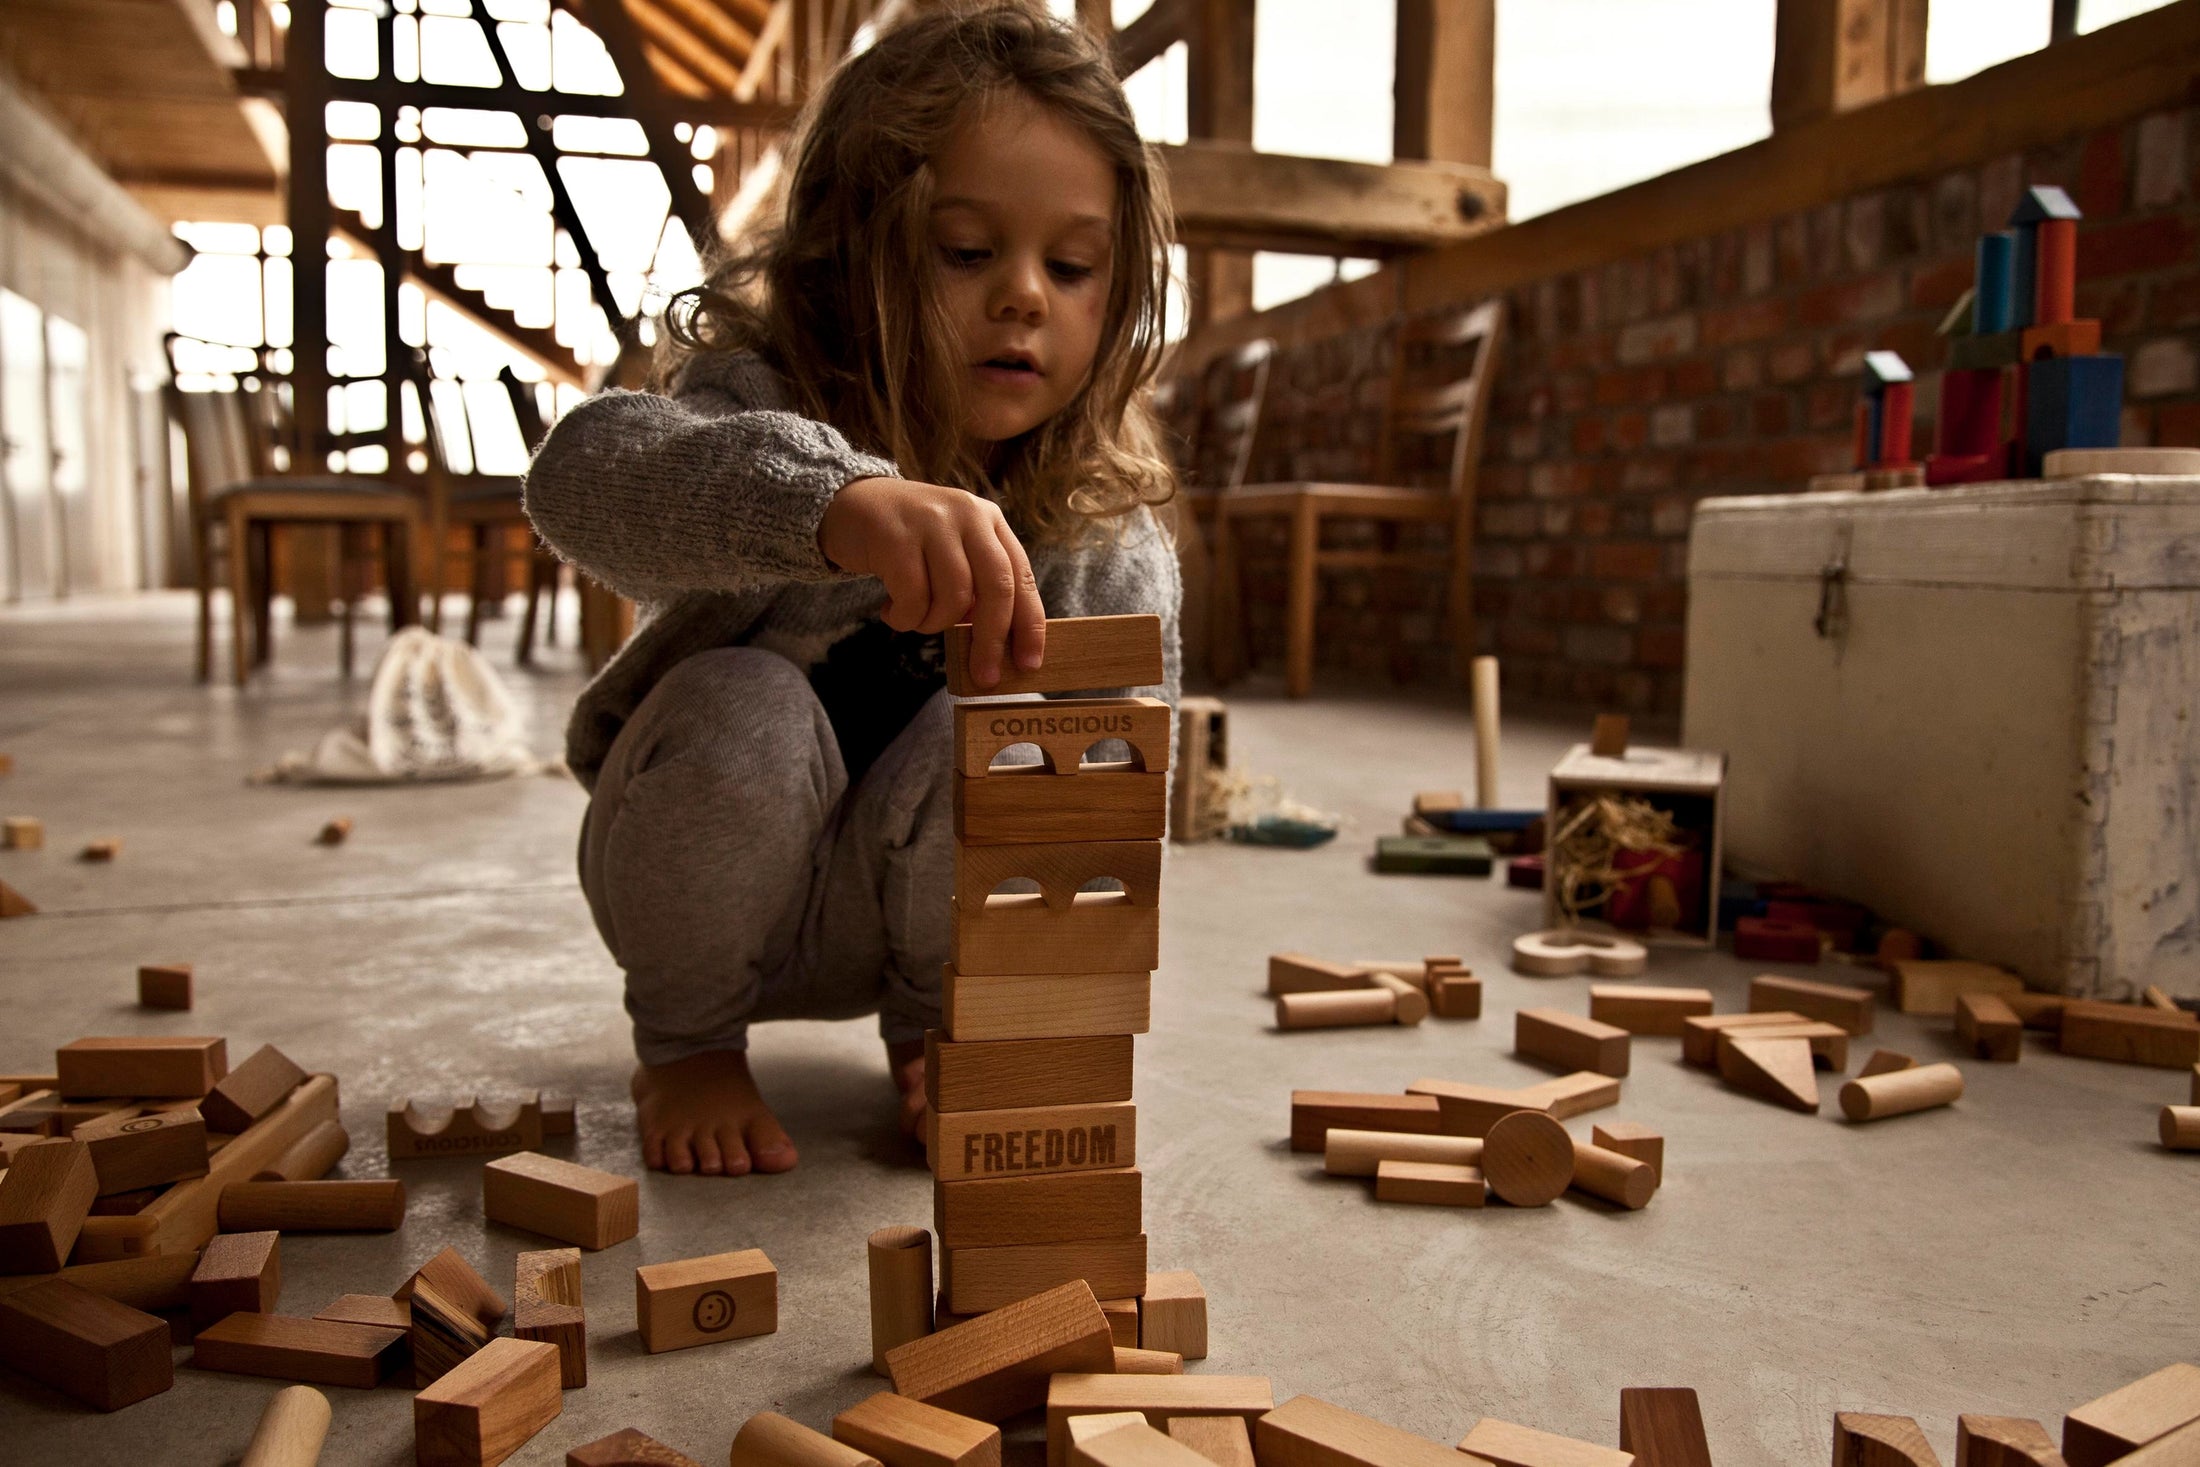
(1861, 1440)
(2004, 1441)
(1663, 1427)
(1886, 1062)
(1778, 1070)
(13, 903)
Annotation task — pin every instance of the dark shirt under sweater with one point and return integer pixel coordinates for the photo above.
(872, 683)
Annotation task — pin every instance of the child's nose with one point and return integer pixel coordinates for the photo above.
(1021, 293)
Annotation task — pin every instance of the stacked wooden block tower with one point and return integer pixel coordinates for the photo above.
(1034, 1136)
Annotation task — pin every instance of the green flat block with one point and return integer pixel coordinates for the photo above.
(1969, 353)
(1437, 855)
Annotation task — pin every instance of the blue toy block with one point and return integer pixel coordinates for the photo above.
(2072, 402)
(1991, 298)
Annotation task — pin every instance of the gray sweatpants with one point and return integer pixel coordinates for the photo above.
(736, 875)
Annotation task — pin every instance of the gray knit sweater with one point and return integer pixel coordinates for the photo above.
(704, 508)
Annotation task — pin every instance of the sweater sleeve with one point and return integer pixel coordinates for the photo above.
(716, 488)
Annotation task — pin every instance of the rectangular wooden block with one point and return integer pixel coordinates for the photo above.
(1992, 1030)
(451, 1276)
(1082, 654)
(469, 1128)
(1455, 996)
(2130, 1034)
(1007, 1074)
(1663, 1427)
(1508, 1445)
(1024, 804)
(1304, 973)
(1465, 1109)
(1222, 1440)
(1439, 1183)
(700, 1301)
(978, 1279)
(1306, 1432)
(1122, 1321)
(1060, 870)
(967, 1145)
(628, 1447)
(1834, 1003)
(1057, 1208)
(485, 1410)
(572, 1203)
(1064, 731)
(2129, 1417)
(1570, 1041)
(134, 1151)
(1829, 1043)
(1045, 1006)
(1156, 1397)
(1700, 1035)
(443, 1333)
(1000, 1363)
(1566, 1096)
(164, 985)
(1172, 1314)
(1099, 932)
(899, 1432)
(377, 1310)
(1096, 1442)
(168, 1066)
(105, 1354)
(1930, 986)
(237, 1272)
(1644, 1009)
(546, 1306)
(315, 1351)
(45, 1195)
(251, 1090)
(1314, 1112)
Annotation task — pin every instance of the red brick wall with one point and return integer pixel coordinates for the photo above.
(1723, 365)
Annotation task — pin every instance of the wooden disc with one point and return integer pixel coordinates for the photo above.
(1527, 1158)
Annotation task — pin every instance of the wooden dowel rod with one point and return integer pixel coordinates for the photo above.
(291, 1430)
(1485, 732)
(1359, 1153)
(901, 1289)
(376, 1206)
(2180, 1127)
(1620, 1179)
(1898, 1092)
(1337, 1009)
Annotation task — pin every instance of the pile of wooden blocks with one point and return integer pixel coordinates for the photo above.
(1314, 993)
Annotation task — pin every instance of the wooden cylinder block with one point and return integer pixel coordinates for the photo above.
(1898, 1092)
(376, 1206)
(1359, 1153)
(901, 1289)
(1484, 676)
(2180, 1127)
(769, 1439)
(311, 1157)
(1616, 1178)
(1412, 999)
(1339, 1009)
(1527, 1158)
(291, 1430)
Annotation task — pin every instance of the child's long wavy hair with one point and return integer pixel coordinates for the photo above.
(842, 295)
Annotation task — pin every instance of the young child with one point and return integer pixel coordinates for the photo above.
(917, 403)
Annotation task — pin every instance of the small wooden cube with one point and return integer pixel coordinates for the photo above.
(164, 985)
(22, 833)
(1992, 1030)
(1172, 1314)
(486, 1408)
(1455, 996)
(251, 1090)
(566, 1201)
(101, 851)
(237, 1273)
(700, 1301)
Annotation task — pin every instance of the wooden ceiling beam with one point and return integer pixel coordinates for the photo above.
(1228, 196)
(676, 78)
(720, 111)
(711, 22)
(1162, 25)
(718, 72)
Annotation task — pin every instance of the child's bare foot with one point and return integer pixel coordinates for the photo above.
(705, 1114)
(905, 1060)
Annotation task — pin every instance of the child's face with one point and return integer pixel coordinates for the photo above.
(1024, 223)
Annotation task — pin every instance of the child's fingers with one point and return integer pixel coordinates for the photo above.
(947, 569)
(1027, 613)
(908, 589)
(995, 574)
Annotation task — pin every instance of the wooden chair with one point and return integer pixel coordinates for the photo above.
(1233, 393)
(238, 503)
(488, 508)
(1456, 407)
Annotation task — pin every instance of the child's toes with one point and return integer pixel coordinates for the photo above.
(734, 1150)
(653, 1150)
(680, 1151)
(770, 1146)
(708, 1159)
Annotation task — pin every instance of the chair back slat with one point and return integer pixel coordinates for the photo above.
(1234, 392)
(1457, 406)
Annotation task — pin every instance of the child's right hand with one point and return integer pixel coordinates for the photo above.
(945, 556)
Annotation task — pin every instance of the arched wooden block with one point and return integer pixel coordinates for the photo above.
(1063, 729)
(1099, 932)
(1059, 869)
(468, 1130)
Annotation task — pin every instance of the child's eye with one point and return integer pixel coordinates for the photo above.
(965, 259)
(1066, 270)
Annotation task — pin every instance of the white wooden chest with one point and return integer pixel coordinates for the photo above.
(1976, 709)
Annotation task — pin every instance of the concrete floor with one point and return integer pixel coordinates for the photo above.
(2018, 1254)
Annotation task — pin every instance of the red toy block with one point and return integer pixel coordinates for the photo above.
(1525, 872)
(2055, 273)
(1894, 423)
(1761, 939)
(1841, 921)
(1970, 415)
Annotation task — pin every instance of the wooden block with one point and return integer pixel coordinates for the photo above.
(1005, 1074)
(2042, 1011)
(45, 1195)
(486, 1409)
(101, 851)
(1306, 1432)
(1136, 1444)
(237, 1271)
(2155, 997)
(1059, 870)
(292, 1429)
(546, 1306)
(557, 1115)
(1899, 1092)
(1058, 1208)
(1064, 731)
(1829, 1043)
(1622, 1180)
(1156, 1397)
(1462, 1109)
(2128, 1418)
(1527, 1158)
(2179, 1127)
(159, 1283)
(181, 1065)
(105, 1354)
(1410, 999)
(900, 1263)
(1438, 1183)
(14, 904)
(1884, 1061)
(1778, 1070)
(1925, 986)
(471, 1128)
(1700, 1035)
(1122, 1321)
(370, 1309)
(769, 1439)
(2176, 1449)
(1025, 805)
(2130, 1034)
(1990, 1028)
(1342, 1009)
(1507, 1445)
(1560, 951)
(2196, 1084)
(22, 833)
(700, 1301)
(455, 1279)
(1045, 1006)
(628, 1448)
(1082, 654)
(11, 1142)
(309, 1158)
(1095, 1424)
(1222, 1440)
(1314, 1112)
(979, 1279)
(1302, 973)
(1570, 1041)
(317, 1351)
(2004, 1441)
(1770, 940)
(1100, 932)
(443, 1334)
(900, 1432)
(1637, 1141)
(134, 1151)
(1864, 1440)
(164, 985)
(1351, 1153)
(1456, 996)
(1644, 1009)
(335, 832)
(251, 1090)
(1172, 1314)
(1663, 1427)
(563, 1200)
(1000, 1363)
(967, 1145)
(1834, 1003)
(375, 1205)
(1572, 1095)
(1130, 1361)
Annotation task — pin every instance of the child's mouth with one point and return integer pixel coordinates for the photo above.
(1009, 370)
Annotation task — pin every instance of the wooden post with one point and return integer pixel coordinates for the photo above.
(305, 92)
(1445, 87)
(1098, 19)
(1833, 55)
(1221, 109)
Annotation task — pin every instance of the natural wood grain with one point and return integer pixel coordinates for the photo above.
(2130, 1034)
(1059, 869)
(1045, 1006)
(1024, 804)
(130, 1152)
(1662, 1426)
(1000, 1363)
(1064, 731)
(1058, 1208)
(1172, 1314)
(1099, 932)
(1570, 1041)
(1861, 1439)
(1527, 1158)
(317, 1351)
(1641, 1008)
(978, 1279)
(1132, 1444)
(1314, 1112)
(1438, 1183)
(700, 1301)
(1899, 1092)
(378, 1310)
(251, 1090)
(1508, 1445)
(900, 1432)
(1083, 654)
(105, 1354)
(968, 1145)
(2004, 1441)
(456, 1280)
(547, 1306)
(1306, 1432)
(2131, 1416)
(164, 985)
(237, 1271)
(1829, 1043)
(45, 1195)
(1002, 1074)
(900, 1264)
(1989, 1027)
(166, 1065)
(1353, 1153)
(1836, 1003)
(1157, 1397)
(1630, 1139)
(488, 1407)
(372, 1205)
(1619, 1179)
(291, 1431)
(1344, 1008)
(1301, 973)
(564, 1200)
(441, 1333)
(1222, 1440)
(156, 1284)
(1778, 1070)
(1930, 986)
(627, 1447)
(468, 1129)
